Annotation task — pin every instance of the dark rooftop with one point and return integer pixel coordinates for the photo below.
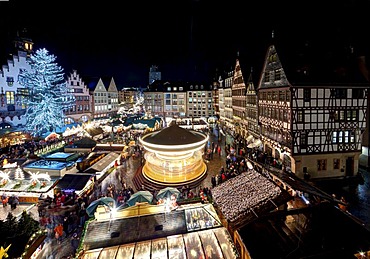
(174, 135)
(73, 181)
(325, 232)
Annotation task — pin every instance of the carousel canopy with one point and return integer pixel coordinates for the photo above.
(174, 135)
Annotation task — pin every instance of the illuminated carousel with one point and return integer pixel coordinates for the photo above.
(174, 156)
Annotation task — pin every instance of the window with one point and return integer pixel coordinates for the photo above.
(351, 115)
(357, 93)
(300, 116)
(10, 80)
(321, 165)
(334, 138)
(9, 97)
(336, 163)
(303, 140)
(277, 75)
(339, 93)
(306, 95)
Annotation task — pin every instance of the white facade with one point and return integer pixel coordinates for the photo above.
(100, 100)
(82, 110)
(13, 94)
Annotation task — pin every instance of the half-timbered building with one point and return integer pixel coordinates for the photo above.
(228, 100)
(239, 101)
(251, 113)
(312, 111)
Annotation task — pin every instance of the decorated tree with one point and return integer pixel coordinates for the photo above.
(48, 94)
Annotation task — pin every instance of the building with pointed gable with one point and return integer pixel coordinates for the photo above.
(251, 111)
(82, 110)
(12, 93)
(239, 99)
(104, 99)
(312, 110)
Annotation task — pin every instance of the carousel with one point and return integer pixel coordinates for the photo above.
(174, 156)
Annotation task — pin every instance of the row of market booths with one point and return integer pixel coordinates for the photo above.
(157, 231)
(67, 172)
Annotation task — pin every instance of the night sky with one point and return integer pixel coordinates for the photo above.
(187, 39)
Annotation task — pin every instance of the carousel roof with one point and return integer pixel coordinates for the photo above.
(174, 135)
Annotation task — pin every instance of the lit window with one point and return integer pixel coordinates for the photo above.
(9, 97)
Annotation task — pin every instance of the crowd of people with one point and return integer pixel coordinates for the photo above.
(240, 195)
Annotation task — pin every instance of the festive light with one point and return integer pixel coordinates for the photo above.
(4, 175)
(35, 177)
(48, 94)
(18, 174)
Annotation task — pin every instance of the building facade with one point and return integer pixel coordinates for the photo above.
(228, 100)
(82, 109)
(154, 74)
(314, 129)
(239, 99)
(12, 93)
(200, 101)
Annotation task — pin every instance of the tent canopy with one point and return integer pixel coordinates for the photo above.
(107, 201)
(140, 196)
(167, 192)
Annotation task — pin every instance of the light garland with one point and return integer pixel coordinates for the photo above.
(49, 95)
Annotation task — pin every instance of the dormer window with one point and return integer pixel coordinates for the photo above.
(277, 75)
(10, 80)
(267, 76)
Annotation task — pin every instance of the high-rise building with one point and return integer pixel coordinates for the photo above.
(154, 74)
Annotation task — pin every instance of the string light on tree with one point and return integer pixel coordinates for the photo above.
(48, 94)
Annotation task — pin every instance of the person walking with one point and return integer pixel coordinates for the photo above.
(75, 241)
(58, 230)
(4, 199)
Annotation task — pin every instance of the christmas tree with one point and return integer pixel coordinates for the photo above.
(18, 174)
(48, 94)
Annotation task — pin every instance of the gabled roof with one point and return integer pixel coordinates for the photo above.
(104, 81)
(308, 65)
(85, 142)
(94, 131)
(130, 120)
(149, 122)
(112, 86)
(102, 163)
(238, 74)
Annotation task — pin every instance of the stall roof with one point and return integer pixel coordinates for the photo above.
(73, 181)
(266, 196)
(195, 226)
(102, 163)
